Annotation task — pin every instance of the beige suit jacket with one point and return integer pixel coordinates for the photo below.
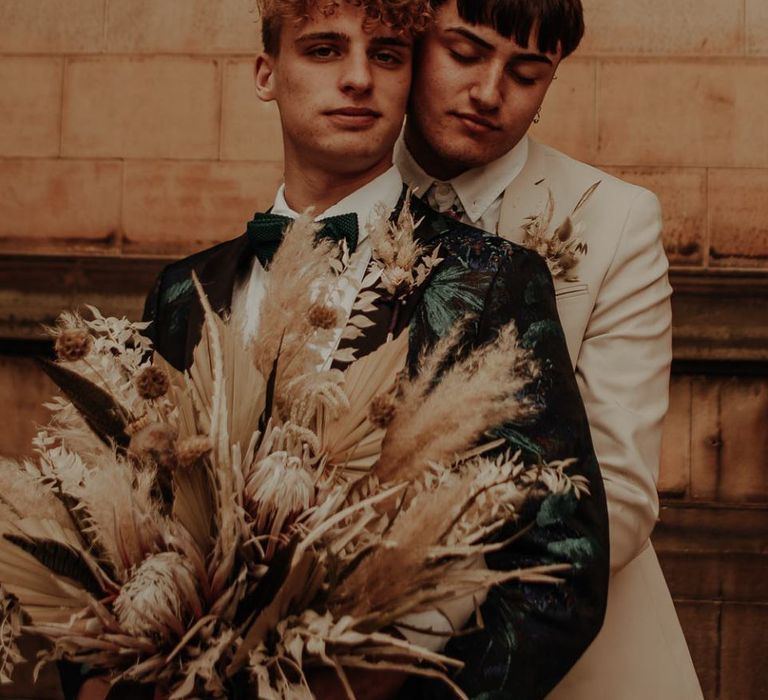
(617, 322)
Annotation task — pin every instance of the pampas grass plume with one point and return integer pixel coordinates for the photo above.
(473, 396)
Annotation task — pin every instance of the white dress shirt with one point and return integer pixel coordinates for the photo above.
(480, 190)
(248, 292)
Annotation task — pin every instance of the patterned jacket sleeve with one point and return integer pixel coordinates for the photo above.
(533, 634)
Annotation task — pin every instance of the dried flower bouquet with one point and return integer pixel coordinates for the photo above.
(265, 512)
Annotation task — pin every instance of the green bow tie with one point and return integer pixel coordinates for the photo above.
(265, 233)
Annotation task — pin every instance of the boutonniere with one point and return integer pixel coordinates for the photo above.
(562, 248)
(397, 258)
(398, 266)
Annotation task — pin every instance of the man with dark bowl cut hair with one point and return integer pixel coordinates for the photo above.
(481, 73)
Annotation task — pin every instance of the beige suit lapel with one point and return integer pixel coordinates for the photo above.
(526, 196)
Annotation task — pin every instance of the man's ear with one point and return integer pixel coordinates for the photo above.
(264, 73)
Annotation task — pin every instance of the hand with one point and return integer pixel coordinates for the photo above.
(371, 685)
(98, 687)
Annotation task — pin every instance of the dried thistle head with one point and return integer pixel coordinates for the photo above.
(152, 383)
(158, 597)
(155, 440)
(382, 410)
(323, 316)
(73, 344)
(278, 490)
(191, 449)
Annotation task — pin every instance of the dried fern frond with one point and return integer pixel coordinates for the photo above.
(23, 493)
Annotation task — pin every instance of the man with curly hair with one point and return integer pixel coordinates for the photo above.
(340, 73)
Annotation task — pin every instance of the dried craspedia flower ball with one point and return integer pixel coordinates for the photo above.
(156, 441)
(189, 450)
(382, 410)
(159, 596)
(73, 344)
(152, 383)
(323, 316)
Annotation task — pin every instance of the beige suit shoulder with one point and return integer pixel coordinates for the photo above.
(562, 171)
(548, 171)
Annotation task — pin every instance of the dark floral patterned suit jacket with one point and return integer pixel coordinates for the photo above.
(533, 634)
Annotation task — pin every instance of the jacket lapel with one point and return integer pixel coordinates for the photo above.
(217, 273)
(526, 196)
(223, 266)
(393, 316)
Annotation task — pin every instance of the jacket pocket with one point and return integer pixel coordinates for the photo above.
(571, 290)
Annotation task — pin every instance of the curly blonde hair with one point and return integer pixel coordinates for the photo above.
(410, 17)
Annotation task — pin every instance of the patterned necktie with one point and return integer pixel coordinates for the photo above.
(443, 198)
(265, 233)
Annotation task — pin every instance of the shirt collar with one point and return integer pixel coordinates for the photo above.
(385, 189)
(477, 188)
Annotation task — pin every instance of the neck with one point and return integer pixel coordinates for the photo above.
(429, 161)
(308, 186)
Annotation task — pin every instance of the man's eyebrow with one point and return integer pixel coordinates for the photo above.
(323, 36)
(482, 43)
(532, 58)
(391, 41)
(471, 36)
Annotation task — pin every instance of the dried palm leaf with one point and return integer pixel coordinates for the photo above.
(350, 440)
(44, 596)
(104, 415)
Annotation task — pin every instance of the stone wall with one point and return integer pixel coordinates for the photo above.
(129, 128)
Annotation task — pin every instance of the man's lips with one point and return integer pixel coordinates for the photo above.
(355, 112)
(475, 122)
(355, 117)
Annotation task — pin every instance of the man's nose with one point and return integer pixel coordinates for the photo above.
(486, 93)
(356, 73)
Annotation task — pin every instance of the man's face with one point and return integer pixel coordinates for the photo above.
(341, 89)
(474, 94)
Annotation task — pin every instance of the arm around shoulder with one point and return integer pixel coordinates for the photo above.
(623, 374)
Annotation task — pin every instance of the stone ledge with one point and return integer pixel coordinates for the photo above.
(719, 316)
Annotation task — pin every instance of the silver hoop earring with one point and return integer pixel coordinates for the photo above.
(537, 118)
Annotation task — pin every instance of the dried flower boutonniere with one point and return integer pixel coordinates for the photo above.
(563, 248)
(398, 266)
(397, 255)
